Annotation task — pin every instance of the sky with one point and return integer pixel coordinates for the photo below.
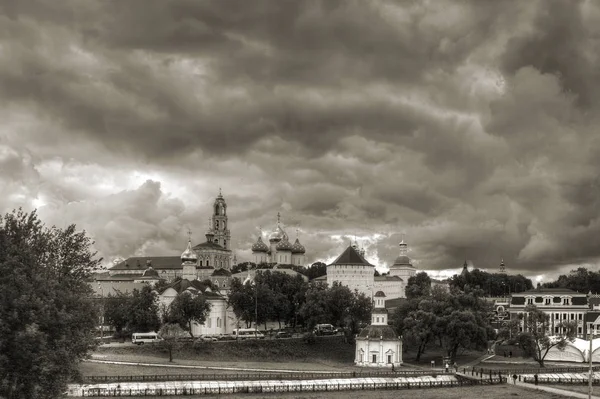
(470, 128)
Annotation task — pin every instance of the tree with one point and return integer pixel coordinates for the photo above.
(116, 311)
(48, 316)
(536, 340)
(170, 333)
(315, 270)
(242, 301)
(418, 285)
(187, 309)
(143, 310)
(336, 305)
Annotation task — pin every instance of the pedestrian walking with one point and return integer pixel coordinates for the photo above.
(510, 354)
(515, 379)
(455, 367)
(393, 369)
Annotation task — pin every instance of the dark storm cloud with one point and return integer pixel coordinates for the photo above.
(470, 125)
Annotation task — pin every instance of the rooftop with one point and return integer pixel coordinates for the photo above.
(350, 257)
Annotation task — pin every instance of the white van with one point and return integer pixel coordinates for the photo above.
(142, 338)
(247, 333)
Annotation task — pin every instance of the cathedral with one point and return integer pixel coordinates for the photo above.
(280, 250)
(214, 256)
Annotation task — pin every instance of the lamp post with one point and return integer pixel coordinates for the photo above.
(101, 312)
(591, 374)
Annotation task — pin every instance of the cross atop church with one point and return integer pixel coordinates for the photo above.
(278, 218)
(189, 233)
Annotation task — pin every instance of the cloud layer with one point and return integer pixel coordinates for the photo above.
(468, 125)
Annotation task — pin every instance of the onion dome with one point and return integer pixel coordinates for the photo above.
(277, 235)
(259, 246)
(284, 245)
(298, 248)
(189, 255)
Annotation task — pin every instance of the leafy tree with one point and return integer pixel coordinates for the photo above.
(456, 319)
(336, 305)
(241, 299)
(580, 280)
(143, 310)
(316, 308)
(509, 330)
(116, 310)
(315, 270)
(418, 285)
(187, 309)
(48, 316)
(536, 340)
(170, 333)
(492, 284)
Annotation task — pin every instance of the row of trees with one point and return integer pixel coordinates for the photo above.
(315, 270)
(140, 311)
(491, 284)
(580, 280)
(290, 300)
(452, 319)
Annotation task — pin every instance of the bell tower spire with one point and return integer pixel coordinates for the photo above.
(220, 222)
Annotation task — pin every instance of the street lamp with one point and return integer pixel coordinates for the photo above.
(101, 311)
(591, 373)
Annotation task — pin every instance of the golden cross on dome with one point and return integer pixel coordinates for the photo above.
(278, 218)
(189, 235)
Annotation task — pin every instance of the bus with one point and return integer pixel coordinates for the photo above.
(247, 333)
(141, 338)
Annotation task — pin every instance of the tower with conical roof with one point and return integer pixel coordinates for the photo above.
(353, 271)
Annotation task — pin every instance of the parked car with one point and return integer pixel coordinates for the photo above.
(226, 337)
(283, 334)
(324, 329)
(207, 338)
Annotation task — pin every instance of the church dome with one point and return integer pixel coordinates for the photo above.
(298, 248)
(278, 234)
(189, 255)
(284, 245)
(259, 246)
(379, 294)
(150, 272)
(402, 260)
(378, 332)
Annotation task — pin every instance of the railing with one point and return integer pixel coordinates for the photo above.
(545, 370)
(562, 380)
(270, 388)
(252, 376)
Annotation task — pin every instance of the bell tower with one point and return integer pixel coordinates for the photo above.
(222, 234)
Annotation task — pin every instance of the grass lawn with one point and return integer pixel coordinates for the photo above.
(576, 388)
(487, 392)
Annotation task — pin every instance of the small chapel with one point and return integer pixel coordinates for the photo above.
(378, 345)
